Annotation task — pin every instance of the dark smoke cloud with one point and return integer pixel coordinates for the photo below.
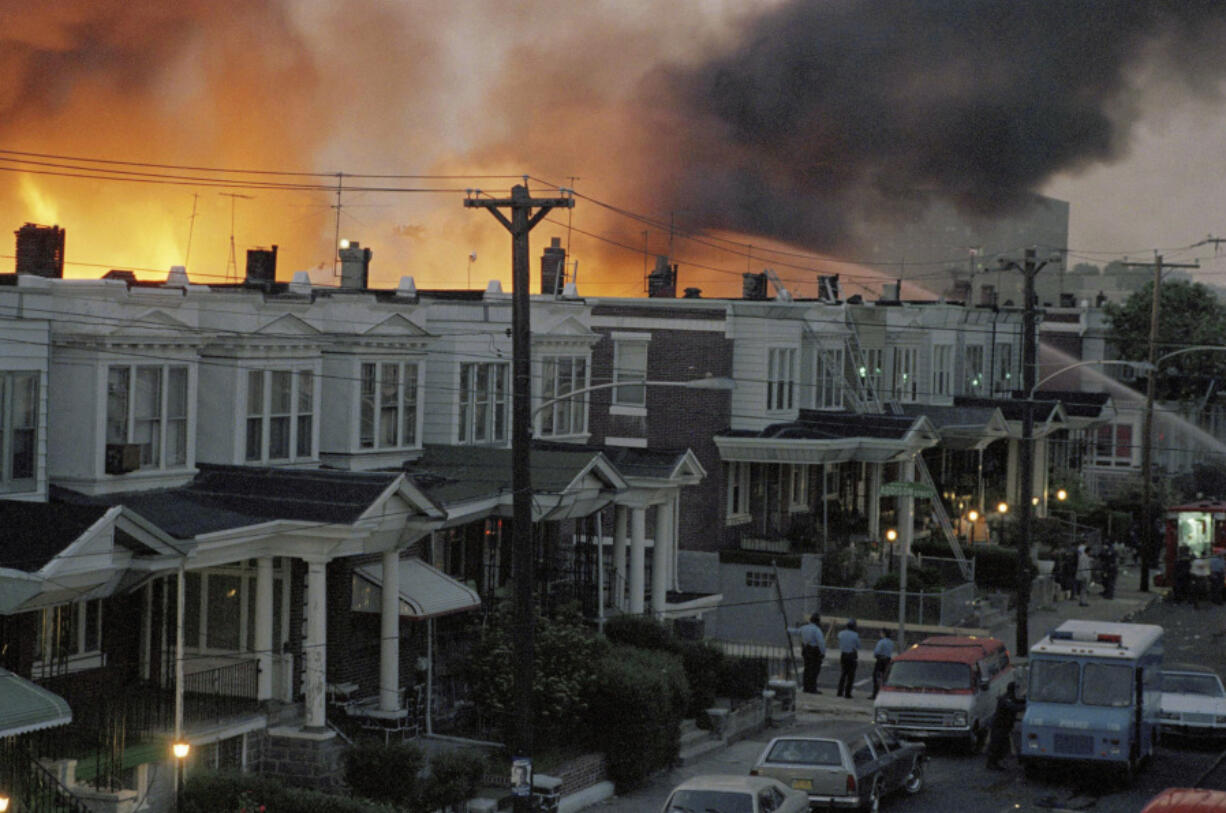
(825, 113)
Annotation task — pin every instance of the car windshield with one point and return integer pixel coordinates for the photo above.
(1189, 683)
(805, 752)
(710, 801)
(929, 675)
(1053, 681)
(1106, 684)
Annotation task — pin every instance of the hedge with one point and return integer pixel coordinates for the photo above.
(218, 792)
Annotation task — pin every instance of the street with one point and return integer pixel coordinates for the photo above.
(962, 782)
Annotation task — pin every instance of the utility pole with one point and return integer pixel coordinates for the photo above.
(1147, 427)
(1030, 269)
(523, 552)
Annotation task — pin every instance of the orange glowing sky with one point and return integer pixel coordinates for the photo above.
(545, 88)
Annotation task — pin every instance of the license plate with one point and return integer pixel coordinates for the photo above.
(802, 784)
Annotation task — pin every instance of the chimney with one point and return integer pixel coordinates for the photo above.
(355, 266)
(261, 266)
(960, 291)
(662, 281)
(40, 251)
(693, 293)
(753, 286)
(553, 268)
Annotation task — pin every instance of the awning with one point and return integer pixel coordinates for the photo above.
(425, 591)
(26, 706)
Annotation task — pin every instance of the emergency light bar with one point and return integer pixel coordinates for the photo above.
(1088, 637)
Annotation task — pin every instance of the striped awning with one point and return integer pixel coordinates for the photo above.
(26, 706)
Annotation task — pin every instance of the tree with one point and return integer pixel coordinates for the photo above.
(1190, 315)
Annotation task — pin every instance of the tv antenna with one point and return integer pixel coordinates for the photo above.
(232, 263)
(191, 227)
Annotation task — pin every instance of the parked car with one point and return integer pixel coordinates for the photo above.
(1187, 800)
(1193, 702)
(945, 687)
(720, 793)
(845, 763)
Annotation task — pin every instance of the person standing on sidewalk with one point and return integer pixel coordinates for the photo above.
(849, 656)
(883, 653)
(1007, 707)
(812, 650)
(1084, 570)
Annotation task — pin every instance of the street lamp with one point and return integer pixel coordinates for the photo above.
(1002, 508)
(972, 517)
(180, 749)
(4, 803)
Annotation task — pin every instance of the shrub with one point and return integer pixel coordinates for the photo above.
(384, 773)
(743, 678)
(213, 792)
(634, 714)
(641, 631)
(454, 776)
(704, 665)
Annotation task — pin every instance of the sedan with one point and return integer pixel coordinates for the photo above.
(1193, 702)
(719, 793)
(845, 763)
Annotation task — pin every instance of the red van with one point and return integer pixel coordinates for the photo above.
(1187, 800)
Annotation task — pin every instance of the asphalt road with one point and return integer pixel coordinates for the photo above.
(961, 782)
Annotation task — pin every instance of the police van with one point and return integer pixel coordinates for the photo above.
(1093, 695)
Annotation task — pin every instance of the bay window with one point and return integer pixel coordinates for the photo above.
(147, 405)
(483, 402)
(561, 375)
(280, 415)
(781, 378)
(18, 429)
(829, 379)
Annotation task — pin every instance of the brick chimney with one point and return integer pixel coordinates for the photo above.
(355, 266)
(662, 281)
(40, 251)
(553, 268)
(753, 286)
(261, 266)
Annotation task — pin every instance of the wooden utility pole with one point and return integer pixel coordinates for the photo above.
(523, 552)
(1147, 427)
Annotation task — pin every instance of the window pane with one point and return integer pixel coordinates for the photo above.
(147, 409)
(408, 408)
(282, 392)
(278, 438)
(500, 401)
(255, 392)
(255, 438)
(24, 421)
(466, 371)
(366, 431)
(630, 365)
(305, 433)
(389, 401)
(224, 611)
(306, 392)
(1123, 441)
(117, 405)
(549, 391)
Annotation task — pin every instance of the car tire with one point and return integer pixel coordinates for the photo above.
(914, 782)
(873, 803)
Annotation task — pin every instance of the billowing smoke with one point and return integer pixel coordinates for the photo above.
(802, 122)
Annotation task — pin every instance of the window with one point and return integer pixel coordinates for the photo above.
(561, 375)
(870, 373)
(943, 369)
(219, 608)
(781, 381)
(483, 402)
(798, 486)
(1004, 368)
(973, 371)
(1053, 681)
(388, 417)
(906, 383)
(759, 578)
(1113, 445)
(829, 379)
(738, 490)
(69, 637)
(147, 405)
(18, 429)
(630, 364)
(1107, 684)
(280, 407)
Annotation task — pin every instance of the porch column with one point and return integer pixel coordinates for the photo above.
(618, 588)
(314, 656)
(263, 626)
(906, 532)
(661, 556)
(638, 558)
(873, 501)
(389, 634)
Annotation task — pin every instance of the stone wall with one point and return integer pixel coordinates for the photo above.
(304, 760)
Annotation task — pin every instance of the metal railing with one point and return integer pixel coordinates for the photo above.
(32, 787)
(216, 694)
(947, 608)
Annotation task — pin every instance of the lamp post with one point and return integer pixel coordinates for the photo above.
(891, 536)
(180, 749)
(1002, 508)
(972, 517)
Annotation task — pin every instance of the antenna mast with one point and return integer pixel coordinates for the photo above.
(232, 263)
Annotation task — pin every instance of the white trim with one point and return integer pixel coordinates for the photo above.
(632, 411)
(638, 443)
(627, 336)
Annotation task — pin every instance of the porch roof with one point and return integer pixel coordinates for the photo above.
(26, 706)
(425, 591)
(962, 427)
(1081, 409)
(830, 437)
(1049, 416)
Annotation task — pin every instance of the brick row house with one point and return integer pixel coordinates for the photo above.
(284, 501)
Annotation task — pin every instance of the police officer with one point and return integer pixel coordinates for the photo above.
(883, 653)
(1007, 707)
(849, 656)
(812, 650)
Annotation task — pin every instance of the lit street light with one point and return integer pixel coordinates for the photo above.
(180, 749)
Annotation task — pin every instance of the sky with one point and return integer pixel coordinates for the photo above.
(733, 136)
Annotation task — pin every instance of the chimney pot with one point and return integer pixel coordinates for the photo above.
(355, 266)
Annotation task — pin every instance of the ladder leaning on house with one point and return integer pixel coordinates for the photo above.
(867, 399)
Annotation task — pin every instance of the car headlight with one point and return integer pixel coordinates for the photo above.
(883, 716)
(959, 718)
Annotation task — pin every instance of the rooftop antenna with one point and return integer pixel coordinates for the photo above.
(191, 227)
(336, 238)
(232, 263)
